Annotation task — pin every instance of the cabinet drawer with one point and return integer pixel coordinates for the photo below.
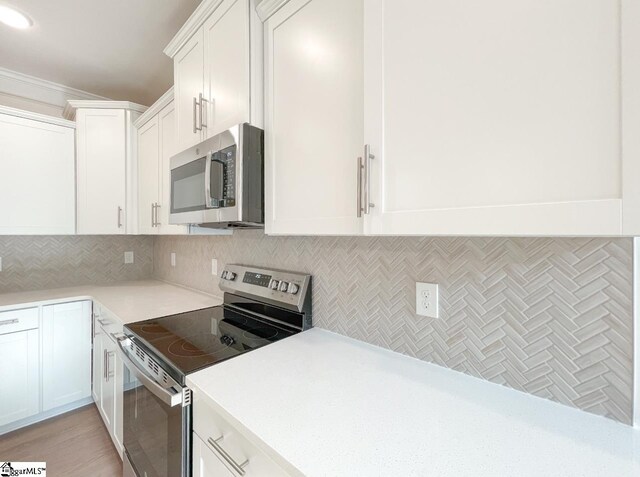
(231, 447)
(106, 322)
(18, 320)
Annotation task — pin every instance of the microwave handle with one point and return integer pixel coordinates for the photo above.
(207, 180)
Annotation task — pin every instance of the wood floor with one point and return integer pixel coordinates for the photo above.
(74, 444)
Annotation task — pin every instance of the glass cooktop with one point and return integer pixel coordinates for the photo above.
(197, 339)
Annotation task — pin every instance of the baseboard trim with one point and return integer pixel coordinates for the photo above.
(43, 416)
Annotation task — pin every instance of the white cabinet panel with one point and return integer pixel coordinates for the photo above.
(167, 126)
(189, 85)
(314, 131)
(20, 375)
(148, 175)
(507, 122)
(37, 177)
(96, 365)
(101, 171)
(66, 353)
(108, 387)
(226, 66)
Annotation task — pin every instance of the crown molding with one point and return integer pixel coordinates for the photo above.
(37, 94)
(162, 102)
(20, 113)
(73, 105)
(195, 21)
(266, 8)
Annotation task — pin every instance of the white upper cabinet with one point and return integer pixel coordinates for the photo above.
(188, 71)
(66, 353)
(156, 144)
(314, 131)
(106, 168)
(493, 118)
(226, 67)
(37, 174)
(217, 70)
(507, 122)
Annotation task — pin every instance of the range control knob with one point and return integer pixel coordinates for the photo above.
(227, 340)
(224, 275)
(231, 276)
(274, 284)
(293, 288)
(283, 286)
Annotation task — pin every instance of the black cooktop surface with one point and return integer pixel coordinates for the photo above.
(197, 339)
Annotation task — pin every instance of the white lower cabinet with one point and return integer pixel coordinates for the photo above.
(19, 365)
(45, 362)
(66, 353)
(220, 449)
(107, 374)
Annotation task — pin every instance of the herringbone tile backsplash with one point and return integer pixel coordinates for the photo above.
(38, 262)
(551, 317)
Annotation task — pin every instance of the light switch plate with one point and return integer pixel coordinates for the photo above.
(214, 266)
(173, 259)
(427, 299)
(128, 257)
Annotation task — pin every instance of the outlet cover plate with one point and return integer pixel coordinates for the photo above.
(128, 257)
(214, 266)
(427, 299)
(173, 259)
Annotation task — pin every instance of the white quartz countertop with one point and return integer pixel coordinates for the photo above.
(333, 406)
(129, 301)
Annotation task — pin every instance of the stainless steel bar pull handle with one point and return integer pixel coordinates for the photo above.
(359, 188)
(239, 468)
(157, 215)
(153, 215)
(367, 179)
(13, 321)
(119, 217)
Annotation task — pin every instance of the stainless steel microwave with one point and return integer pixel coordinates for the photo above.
(219, 183)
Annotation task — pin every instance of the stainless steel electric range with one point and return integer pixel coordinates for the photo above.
(260, 307)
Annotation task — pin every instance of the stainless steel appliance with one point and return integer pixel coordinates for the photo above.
(260, 306)
(219, 183)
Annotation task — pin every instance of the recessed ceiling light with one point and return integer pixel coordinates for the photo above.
(14, 18)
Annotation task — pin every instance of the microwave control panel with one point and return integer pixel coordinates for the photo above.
(223, 177)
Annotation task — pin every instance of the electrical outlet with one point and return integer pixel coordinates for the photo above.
(427, 299)
(173, 259)
(214, 267)
(128, 257)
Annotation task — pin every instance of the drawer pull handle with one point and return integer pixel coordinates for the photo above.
(239, 468)
(9, 322)
(104, 322)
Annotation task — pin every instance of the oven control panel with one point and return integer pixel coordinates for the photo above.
(282, 288)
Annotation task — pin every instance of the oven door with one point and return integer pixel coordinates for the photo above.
(156, 424)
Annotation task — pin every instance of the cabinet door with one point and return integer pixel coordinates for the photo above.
(20, 374)
(108, 387)
(148, 175)
(314, 117)
(506, 122)
(226, 66)
(101, 171)
(37, 177)
(97, 365)
(205, 462)
(189, 85)
(66, 353)
(167, 122)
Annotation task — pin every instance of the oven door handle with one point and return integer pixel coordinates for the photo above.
(171, 399)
